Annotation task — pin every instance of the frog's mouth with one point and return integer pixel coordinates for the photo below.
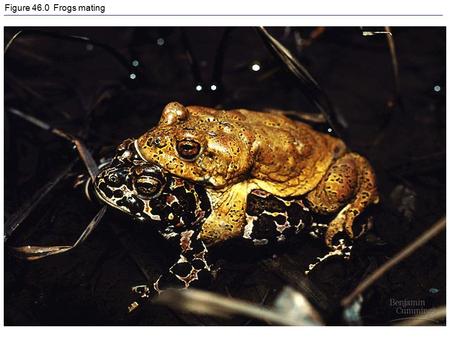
(136, 148)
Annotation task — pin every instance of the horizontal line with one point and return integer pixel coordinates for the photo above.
(226, 15)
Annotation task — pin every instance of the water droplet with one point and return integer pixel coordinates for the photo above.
(160, 41)
(132, 76)
(256, 67)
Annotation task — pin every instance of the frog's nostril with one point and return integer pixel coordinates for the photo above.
(159, 143)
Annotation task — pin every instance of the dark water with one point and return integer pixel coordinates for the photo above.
(101, 95)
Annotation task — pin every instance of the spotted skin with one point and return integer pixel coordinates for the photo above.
(350, 182)
(285, 157)
(174, 202)
(271, 219)
(237, 151)
(175, 207)
(179, 210)
(191, 268)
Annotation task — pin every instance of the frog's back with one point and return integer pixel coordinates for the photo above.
(223, 147)
(291, 157)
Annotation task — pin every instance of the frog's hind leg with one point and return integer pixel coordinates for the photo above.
(342, 248)
(271, 219)
(350, 182)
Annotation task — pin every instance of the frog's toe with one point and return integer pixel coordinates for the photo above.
(332, 230)
(143, 292)
(349, 229)
(342, 222)
(337, 225)
(342, 248)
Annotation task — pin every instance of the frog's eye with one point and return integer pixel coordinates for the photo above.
(114, 178)
(188, 149)
(147, 186)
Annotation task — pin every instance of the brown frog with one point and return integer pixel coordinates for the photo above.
(235, 152)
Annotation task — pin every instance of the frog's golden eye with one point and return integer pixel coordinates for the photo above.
(188, 149)
(147, 186)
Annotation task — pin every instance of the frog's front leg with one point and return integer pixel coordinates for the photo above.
(191, 269)
(227, 213)
(349, 183)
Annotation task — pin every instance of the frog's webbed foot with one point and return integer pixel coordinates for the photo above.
(340, 243)
(342, 248)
